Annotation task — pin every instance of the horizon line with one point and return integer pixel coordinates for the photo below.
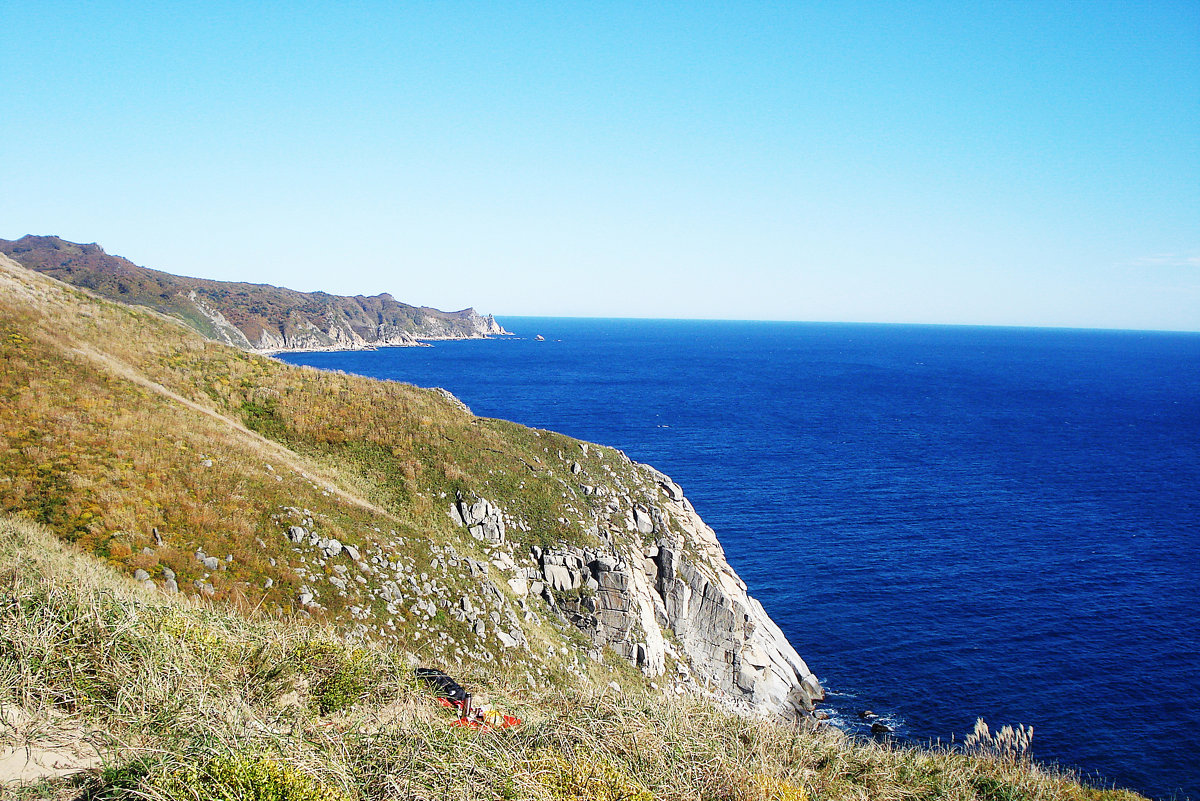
(1021, 326)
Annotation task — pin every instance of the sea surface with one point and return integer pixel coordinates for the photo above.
(947, 522)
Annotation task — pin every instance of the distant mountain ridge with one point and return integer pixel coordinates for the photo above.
(255, 317)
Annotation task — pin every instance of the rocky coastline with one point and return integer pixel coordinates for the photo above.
(400, 342)
(583, 552)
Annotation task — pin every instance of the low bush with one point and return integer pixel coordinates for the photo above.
(238, 776)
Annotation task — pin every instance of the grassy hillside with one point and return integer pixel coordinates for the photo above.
(172, 699)
(148, 446)
(131, 448)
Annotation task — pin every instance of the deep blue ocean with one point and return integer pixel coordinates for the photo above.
(947, 522)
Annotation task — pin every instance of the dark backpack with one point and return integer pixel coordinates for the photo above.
(442, 685)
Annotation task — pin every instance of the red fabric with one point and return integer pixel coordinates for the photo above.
(465, 723)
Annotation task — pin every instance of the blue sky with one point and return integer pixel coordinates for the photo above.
(1027, 163)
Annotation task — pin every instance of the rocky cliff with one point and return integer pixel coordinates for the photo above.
(255, 317)
(530, 565)
(655, 587)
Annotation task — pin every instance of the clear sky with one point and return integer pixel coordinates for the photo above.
(1029, 163)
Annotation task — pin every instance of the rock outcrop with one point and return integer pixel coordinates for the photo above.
(658, 590)
(727, 634)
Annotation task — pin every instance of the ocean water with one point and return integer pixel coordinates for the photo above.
(947, 522)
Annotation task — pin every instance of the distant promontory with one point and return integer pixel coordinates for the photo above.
(255, 317)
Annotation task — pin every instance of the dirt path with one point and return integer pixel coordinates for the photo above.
(268, 448)
(33, 749)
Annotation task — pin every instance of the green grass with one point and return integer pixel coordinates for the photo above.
(97, 442)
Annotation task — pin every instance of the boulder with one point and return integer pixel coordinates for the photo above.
(747, 676)
(561, 577)
(812, 687)
(673, 490)
(602, 564)
(755, 656)
(643, 521)
(479, 511)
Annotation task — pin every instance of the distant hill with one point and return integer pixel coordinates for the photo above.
(257, 317)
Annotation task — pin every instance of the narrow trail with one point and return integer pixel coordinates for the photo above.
(279, 452)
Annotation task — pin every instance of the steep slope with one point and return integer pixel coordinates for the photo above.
(249, 316)
(387, 510)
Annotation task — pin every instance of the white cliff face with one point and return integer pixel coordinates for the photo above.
(337, 331)
(729, 637)
(660, 593)
(225, 331)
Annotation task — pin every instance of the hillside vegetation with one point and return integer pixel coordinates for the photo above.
(142, 443)
(218, 571)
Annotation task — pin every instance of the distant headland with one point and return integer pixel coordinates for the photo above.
(254, 317)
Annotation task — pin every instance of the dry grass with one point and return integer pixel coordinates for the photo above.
(204, 704)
